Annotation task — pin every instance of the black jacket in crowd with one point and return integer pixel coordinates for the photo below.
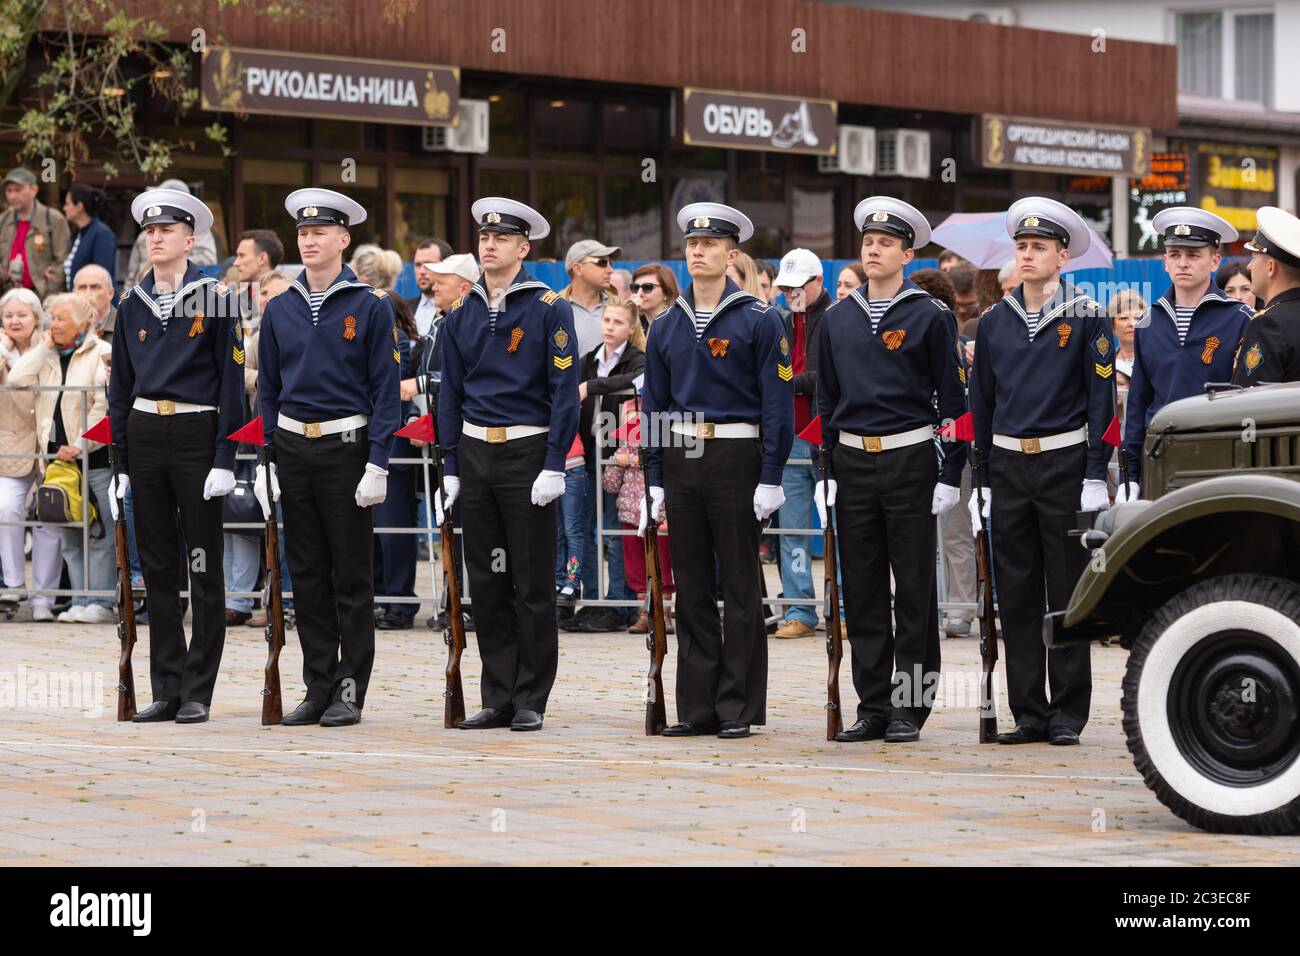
(805, 383)
(630, 364)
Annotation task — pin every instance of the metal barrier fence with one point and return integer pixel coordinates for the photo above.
(611, 536)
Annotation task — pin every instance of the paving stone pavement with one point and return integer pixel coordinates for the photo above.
(591, 789)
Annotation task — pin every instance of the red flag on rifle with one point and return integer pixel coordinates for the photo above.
(101, 431)
(420, 429)
(1112, 436)
(629, 433)
(813, 433)
(961, 429)
(250, 434)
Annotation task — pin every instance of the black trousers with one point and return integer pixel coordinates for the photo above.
(721, 665)
(1036, 565)
(170, 457)
(328, 546)
(395, 554)
(884, 523)
(510, 560)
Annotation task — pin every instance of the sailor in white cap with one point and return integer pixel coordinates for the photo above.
(1187, 338)
(328, 371)
(887, 350)
(203, 253)
(1041, 399)
(507, 411)
(1271, 350)
(719, 368)
(175, 392)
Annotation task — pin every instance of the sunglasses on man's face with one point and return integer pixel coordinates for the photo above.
(646, 287)
(599, 263)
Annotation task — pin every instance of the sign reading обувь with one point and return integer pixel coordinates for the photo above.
(329, 87)
(1008, 142)
(784, 124)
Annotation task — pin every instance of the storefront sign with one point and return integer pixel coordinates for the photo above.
(1011, 143)
(783, 124)
(1234, 181)
(329, 87)
(1167, 185)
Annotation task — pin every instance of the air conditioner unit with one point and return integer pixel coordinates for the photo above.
(855, 152)
(903, 152)
(1002, 16)
(469, 135)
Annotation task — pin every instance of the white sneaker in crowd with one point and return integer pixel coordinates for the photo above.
(96, 614)
(42, 614)
(72, 615)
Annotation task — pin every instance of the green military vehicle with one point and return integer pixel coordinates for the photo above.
(1201, 581)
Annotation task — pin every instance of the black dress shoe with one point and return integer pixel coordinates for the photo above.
(526, 720)
(862, 730)
(308, 712)
(158, 710)
(395, 622)
(690, 728)
(192, 712)
(486, 719)
(1023, 734)
(901, 731)
(340, 714)
(733, 730)
(1062, 737)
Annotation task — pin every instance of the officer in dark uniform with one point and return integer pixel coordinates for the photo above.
(175, 392)
(888, 349)
(1188, 337)
(327, 374)
(507, 413)
(719, 369)
(1041, 401)
(1271, 349)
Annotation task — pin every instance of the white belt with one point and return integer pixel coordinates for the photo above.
(710, 430)
(1032, 446)
(496, 434)
(875, 443)
(165, 406)
(317, 429)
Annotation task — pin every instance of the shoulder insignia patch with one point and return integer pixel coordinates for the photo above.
(1104, 371)
(1102, 345)
(785, 345)
(379, 293)
(562, 363)
(457, 304)
(784, 372)
(394, 335)
(1063, 334)
(961, 374)
(397, 357)
(238, 355)
(1207, 353)
(1254, 356)
(561, 338)
(548, 298)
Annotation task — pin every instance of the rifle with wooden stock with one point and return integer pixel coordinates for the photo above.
(453, 711)
(125, 603)
(272, 698)
(656, 639)
(985, 611)
(834, 629)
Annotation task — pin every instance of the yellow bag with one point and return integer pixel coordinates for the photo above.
(58, 499)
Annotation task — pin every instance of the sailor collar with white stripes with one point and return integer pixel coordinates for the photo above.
(522, 280)
(731, 294)
(346, 279)
(906, 291)
(196, 280)
(1212, 294)
(1065, 298)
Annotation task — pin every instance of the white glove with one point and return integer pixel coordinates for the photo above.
(1094, 497)
(945, 498)
(974, 508)
(220, 481)
(452, 484)
(767, 499)
(548, 486)
(118, 485)
(656, 506)
(259, 488)
(824, 497)
(1127, 492)
(373, 486)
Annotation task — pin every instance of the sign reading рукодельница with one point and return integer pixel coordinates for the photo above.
(329, 87)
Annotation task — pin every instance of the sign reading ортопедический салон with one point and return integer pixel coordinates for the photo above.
(297, 84)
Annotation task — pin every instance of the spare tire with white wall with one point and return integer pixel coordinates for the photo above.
(1212, 704)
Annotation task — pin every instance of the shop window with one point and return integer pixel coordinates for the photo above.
(633, 217)
(1254, 57)
(568, 201)
(345, 134)
(689, 189)
(274, 133)
(632, 131)
(507, 118)
(565, 128)
(365, 184)
(208, 177)
(759, 192)
(266, 183)
(813, 213)
(511, 183)
(1200, 52)
(422, 204)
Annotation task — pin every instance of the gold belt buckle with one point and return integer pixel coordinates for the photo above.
(871, 443)
(1030, 446)
(166, 406)
(705, 430)
(496, 434)
(311, 429)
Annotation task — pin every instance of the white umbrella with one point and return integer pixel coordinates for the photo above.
(981, 239)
